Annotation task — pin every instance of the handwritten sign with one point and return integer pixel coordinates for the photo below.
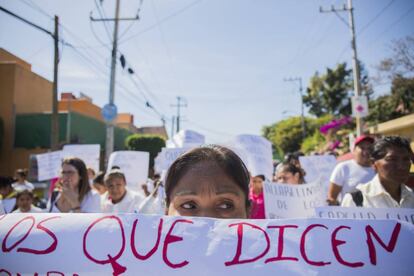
(127, 244)
(48, 165)
(256, 153)
(134, 164)
(90, 154)
(292, 201)
(318, 166)
(403, 214)
(166, 157)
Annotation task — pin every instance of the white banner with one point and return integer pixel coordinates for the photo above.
(256, 153)
(166, 157)
(90, 154)
(134, 164)
(186, 139)
(318, 166)
(131, 244)
(403, 214)
(292, 201)
(48, 165)
(359, 106)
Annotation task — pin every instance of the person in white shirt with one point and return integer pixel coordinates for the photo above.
(392, 158)
(118, 198)
(348, 174)
(73, 192)
(24, 203)
(21, 183)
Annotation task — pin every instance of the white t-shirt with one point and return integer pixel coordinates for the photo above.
(349, 173)
(128, 204)
(19, 187)
(91, 203)
(33, 209)
(375, 196)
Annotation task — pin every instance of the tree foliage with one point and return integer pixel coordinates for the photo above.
(399, 68)
(286, 135)
(144, 142)
(329, 93)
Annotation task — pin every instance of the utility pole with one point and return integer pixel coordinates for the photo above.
(356, 71)
(109, 143)
(172, 126)
(54, 139)
(302, 115)
(55, 118)
(179, 105)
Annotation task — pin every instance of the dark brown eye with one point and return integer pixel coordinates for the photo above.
(225, 205)
(188, 205)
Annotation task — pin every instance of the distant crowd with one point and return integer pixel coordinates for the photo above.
(212, 181)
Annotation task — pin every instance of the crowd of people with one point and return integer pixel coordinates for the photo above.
(212, 181)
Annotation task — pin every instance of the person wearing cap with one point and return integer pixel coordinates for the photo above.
(392, 157)
(348, 174)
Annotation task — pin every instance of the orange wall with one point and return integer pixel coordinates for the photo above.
(82, 106)
(7, 56)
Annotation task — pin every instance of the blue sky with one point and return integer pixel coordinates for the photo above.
(227, 58)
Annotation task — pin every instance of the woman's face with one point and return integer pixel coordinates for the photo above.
(288, 177)
(24, 202)
(207, 191)
(116, 187)
(395, 166)
(70, 176)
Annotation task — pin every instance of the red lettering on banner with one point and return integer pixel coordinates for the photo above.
(153, 250)
(391, 244)
(170, 239)
(336, 243)
(116, 267)
(279, 256)
(54, 272)
(8, 249)
(236, 260)
(51, 247)
(302, 246)
(5, 271)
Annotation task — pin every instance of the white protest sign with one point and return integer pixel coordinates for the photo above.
(186, 139)
(134, 164)
(403, 214)
(256, 153)
(166, 157)
(131, 244)
(318, 166)
(90, 154)
(48, 165)
(292, 201)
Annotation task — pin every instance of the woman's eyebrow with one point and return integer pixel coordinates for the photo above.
(185, 192)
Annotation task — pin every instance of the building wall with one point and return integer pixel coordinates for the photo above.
(81, 106)
(21, 91)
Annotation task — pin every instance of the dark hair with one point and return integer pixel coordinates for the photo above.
(22, 172)
(261, 176)
(114, 173)
(83, 185)
(380, 147)
(289, 167)
(6, 181)
(222, 156)
(99, 178)
(19, 194)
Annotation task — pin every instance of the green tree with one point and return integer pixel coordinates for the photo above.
(329, 93)
(286, 135)
(144, 142)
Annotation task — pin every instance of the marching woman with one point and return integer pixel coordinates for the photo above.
(210, 181)
(118, 198)
(73, 192)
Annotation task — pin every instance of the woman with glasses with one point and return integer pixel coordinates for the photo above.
(73, 192)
